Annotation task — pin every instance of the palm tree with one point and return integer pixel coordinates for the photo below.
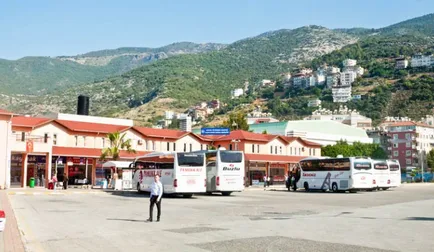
(117, 143)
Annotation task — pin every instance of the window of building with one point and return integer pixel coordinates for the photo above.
(275, 149)
(395, 153)
(271, 149)
(408, 144)
(76, 140)
(23, 136)
(395, 136)
(185, 147)
(290, 149)
(310, 152)
(191, 147)
(395, 145)
(174, 146)
(314, 152)
(84, 141)
(207, 147)
(280, 150)
(299, 151)
(408, 153)
(168, 146)
(45, 137)
(103, 142)
(257, 148)
(230, 146)
(407, 135)
(253, 148)
(54, 139)
(408, 161)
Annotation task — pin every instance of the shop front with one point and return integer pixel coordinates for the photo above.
(256, 173)
(36, 166)
(277, 173)
(79, 169)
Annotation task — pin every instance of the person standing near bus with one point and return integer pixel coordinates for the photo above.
(156, 194)
(65, 181)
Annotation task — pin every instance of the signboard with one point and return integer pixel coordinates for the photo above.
(29, 146)
(215, 131)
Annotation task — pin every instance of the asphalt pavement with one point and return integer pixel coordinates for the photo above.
(399, 219)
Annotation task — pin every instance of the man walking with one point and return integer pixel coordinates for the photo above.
(156, 194)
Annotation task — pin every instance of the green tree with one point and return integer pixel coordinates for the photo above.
(264, 132)
(354, 150)
(236, 121)
(117, 143)
(174, 124)
(430, 159)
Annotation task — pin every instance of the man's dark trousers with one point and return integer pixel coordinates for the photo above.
(154, 199)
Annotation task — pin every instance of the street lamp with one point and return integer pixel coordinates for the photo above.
(235, 125)
(236, 143)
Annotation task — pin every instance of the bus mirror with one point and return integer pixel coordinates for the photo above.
(131, 166)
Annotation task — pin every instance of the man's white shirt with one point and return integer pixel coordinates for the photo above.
(157, 189)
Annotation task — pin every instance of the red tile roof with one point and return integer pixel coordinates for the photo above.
(305, 142)
(90, 152)
(273, 158)
(30, 122)
(91, 127)
(407, 123)
(165, 133)
(245, 135)
(4, 112)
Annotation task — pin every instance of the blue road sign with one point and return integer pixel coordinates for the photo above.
(215, 131)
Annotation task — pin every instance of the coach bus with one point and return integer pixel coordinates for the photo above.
(180, 172)
(224, 171)
(336, 174)
(394, 173)
(381, 174)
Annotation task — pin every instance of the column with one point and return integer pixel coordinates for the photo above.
(94, 171)
(48, 167)
(24, 171)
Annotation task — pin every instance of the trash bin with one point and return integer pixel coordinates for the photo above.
(32, 183)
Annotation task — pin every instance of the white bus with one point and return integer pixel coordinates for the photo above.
(395, 173)
(336, 174)
(180, 173)
(381, 174)
(224, 171)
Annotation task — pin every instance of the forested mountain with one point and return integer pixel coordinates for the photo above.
(41, 75)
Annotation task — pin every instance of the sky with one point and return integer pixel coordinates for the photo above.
(55, 28)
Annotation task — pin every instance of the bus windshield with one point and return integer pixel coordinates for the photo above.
(362, 165)
(231, 157)
(380, 166)
(193, 160)
(394, 167)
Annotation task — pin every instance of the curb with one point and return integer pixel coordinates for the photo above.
(50, 193)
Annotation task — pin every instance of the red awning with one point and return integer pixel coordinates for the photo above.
(90, 152)
(273, 158)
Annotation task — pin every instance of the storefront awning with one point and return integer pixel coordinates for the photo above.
(90, 152)
(272, 158)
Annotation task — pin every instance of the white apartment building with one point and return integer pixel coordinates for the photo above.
(341, 93)
(343, 115)
(333, 80)
(420, 60)
(348, 77)
(401, 63)
(237, 92)
(320, 78)
(314, 103)
(349, 63)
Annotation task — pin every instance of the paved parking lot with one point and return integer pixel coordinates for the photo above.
(255, 220)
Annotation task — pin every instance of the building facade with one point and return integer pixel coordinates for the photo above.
(420, 60)
(342, 115)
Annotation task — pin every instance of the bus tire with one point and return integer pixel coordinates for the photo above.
(335, 187)
(385, 188)
(226, 193)
(189, 195)
(306, 186)
(139, 190)
(353, 191)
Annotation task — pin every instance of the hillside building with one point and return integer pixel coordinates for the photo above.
(237, 92)
(342, 115)
(401, 63)
(341, 93)
(324, 132)
(420, 60)
(333, 80)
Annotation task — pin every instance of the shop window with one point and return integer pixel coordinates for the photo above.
(54, 139)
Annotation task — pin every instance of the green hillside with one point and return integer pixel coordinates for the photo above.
(41, 75)
(199, 77)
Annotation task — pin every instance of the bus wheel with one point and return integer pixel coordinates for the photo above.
(306, 186)
(226, 193)
(335, 187)
(138, 188)
(385, 188)
(353, 191)
(187, 195)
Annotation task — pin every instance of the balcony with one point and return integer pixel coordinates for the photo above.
(41, 144)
